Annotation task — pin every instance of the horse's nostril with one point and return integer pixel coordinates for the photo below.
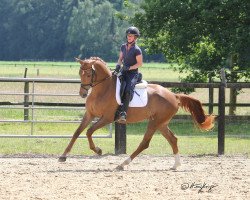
(84, 95)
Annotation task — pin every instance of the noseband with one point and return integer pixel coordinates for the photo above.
(92, 78)
(92, 82)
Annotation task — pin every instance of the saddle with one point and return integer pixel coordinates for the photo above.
(140, 97)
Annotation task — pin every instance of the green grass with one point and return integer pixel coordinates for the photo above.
(199, 142)
(150, 71)
(238, 128)
(198, 145)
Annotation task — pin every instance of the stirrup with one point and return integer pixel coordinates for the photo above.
(122, 117)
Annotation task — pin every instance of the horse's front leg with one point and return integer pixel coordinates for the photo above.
(85, 122)
(99, 124)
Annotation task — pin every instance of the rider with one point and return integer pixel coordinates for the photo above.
(131, 57)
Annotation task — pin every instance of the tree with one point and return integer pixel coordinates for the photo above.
(35, 29)
(5, 10)
(62, 29)
(93, 31)
(201, 36)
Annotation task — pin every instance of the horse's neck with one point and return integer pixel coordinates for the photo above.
(103, 89)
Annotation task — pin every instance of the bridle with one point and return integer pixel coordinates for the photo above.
(93, 82)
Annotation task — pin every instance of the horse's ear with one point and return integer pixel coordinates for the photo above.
(79, 60)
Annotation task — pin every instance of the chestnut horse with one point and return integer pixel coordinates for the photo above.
(161, 107)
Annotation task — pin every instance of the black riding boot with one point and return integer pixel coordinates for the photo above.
(123, 113)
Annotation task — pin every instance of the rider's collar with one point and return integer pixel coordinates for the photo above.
(132, 43)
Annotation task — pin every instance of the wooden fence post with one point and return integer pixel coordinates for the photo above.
(211, 96)
(221, 119)
(120, 138)
(26, 97)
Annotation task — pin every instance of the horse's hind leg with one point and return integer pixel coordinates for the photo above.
(142, 146)
(85, 121)
(169, 135)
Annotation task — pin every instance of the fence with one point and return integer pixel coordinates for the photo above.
(221, 102)
(29, 106)
(120, 130)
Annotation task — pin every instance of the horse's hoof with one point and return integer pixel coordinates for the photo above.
(175, 166)
(62, 159)
(119, 168)
(98, 151)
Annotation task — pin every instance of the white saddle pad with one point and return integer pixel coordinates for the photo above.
(140, 98)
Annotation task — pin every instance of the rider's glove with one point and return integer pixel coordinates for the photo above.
(117, 69)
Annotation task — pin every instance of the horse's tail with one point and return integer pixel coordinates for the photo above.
(192, 105)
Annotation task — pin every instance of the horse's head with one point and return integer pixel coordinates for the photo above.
(89, 71)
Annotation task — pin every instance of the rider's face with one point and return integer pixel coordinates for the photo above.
(131, 38)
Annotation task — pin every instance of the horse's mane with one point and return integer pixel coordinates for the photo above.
(98, 59)
(105, 68)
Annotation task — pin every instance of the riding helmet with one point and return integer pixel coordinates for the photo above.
(133, 30)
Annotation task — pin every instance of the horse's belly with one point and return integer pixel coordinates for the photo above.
(137, 114)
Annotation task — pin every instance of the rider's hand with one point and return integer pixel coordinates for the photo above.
(117, 69)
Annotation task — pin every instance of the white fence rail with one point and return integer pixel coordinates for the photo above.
(28, 105)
